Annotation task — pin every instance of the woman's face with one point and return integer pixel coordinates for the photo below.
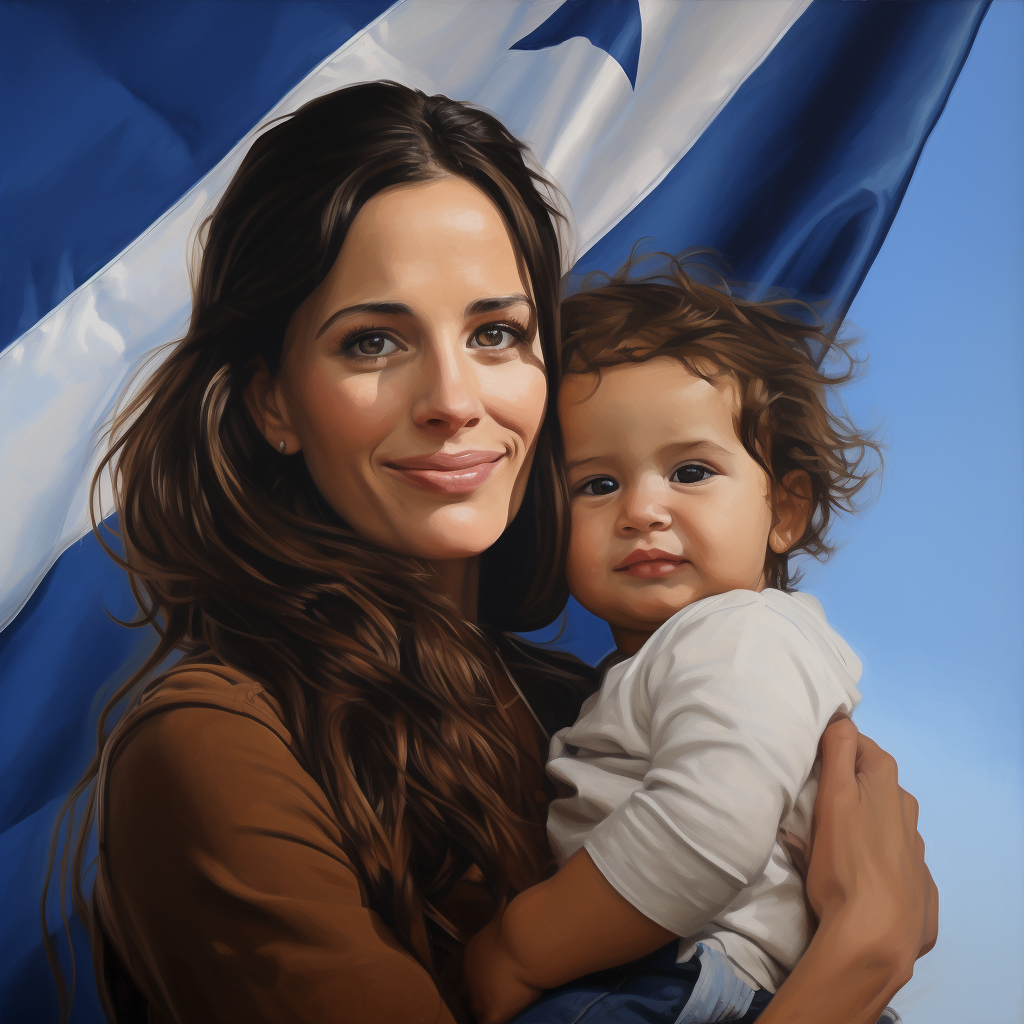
(412, 379)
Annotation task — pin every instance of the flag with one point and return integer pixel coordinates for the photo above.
(781, 133)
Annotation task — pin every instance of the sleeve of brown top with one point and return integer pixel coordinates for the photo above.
(233, 898)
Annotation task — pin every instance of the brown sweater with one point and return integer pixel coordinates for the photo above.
(222, 892)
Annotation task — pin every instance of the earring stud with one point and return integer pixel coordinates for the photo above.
(282, 447)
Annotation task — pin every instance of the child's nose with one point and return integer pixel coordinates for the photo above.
(642, 512)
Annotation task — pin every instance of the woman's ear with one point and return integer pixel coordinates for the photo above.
(269, 410)
(791, 501)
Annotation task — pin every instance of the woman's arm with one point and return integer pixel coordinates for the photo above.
(869, 885)
(867, 882)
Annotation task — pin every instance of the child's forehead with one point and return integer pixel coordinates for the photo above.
(635, 385)
(656, 397)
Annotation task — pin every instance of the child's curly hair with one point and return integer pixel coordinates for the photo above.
(785, 422)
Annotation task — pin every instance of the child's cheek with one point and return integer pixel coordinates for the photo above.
(575, 566)
(585, 566)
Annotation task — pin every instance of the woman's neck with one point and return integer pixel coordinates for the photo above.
(459, 579)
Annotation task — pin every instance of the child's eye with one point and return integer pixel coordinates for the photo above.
(691, 473)
(600, 485)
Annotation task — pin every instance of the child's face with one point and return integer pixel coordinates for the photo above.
(667, 505)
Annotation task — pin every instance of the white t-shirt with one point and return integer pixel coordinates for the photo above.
(681, 768)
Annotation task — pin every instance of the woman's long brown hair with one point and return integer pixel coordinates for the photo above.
(235, 558)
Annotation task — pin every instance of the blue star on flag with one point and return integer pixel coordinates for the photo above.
(611, 25)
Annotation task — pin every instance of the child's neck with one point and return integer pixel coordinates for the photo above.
(629, 641)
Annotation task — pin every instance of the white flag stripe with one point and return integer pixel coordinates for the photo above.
(606, 146)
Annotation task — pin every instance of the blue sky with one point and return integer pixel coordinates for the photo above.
(928, 584)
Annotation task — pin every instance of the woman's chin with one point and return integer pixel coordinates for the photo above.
(453, 533)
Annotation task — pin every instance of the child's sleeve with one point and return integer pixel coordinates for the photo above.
(739, 691)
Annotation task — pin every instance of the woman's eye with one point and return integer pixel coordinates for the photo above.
(599, 486)
(371, 346)
(495, 336)
(692, 473)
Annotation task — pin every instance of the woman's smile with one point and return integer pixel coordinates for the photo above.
(447, 472)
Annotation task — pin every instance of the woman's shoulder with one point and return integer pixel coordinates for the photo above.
(211, 742)
(216, 686)
(207, 686)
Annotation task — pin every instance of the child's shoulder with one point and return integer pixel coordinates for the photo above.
(735, 607)
(754, 622)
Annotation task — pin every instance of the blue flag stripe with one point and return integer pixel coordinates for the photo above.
(796, 182)
(95, 109)
(612, 25)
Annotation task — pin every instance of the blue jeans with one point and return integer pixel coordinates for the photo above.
(657, 990)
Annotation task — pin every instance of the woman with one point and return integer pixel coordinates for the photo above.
(308, 815)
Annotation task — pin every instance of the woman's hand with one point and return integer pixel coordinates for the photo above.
(868, 884)
(867, 857)
(491, 976)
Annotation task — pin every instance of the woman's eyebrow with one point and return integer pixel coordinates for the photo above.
(401, 309)
(381, 308)
(498, 302)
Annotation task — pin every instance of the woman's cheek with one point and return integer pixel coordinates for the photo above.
(518, 398)
(355, 413)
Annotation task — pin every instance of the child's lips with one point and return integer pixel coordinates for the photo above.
(650, 564)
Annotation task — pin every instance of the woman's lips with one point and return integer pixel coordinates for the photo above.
(650, 564)
(447, 472)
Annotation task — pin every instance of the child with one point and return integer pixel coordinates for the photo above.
(700, 453)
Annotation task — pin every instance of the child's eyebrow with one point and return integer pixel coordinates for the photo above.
(701, 446)
(576, 463)
(697, 447)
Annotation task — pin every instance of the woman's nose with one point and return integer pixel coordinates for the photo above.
(642, 511)
(450, 393)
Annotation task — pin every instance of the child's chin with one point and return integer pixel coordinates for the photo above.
(657, 608)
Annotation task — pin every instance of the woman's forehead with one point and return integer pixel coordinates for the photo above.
(430, 243)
